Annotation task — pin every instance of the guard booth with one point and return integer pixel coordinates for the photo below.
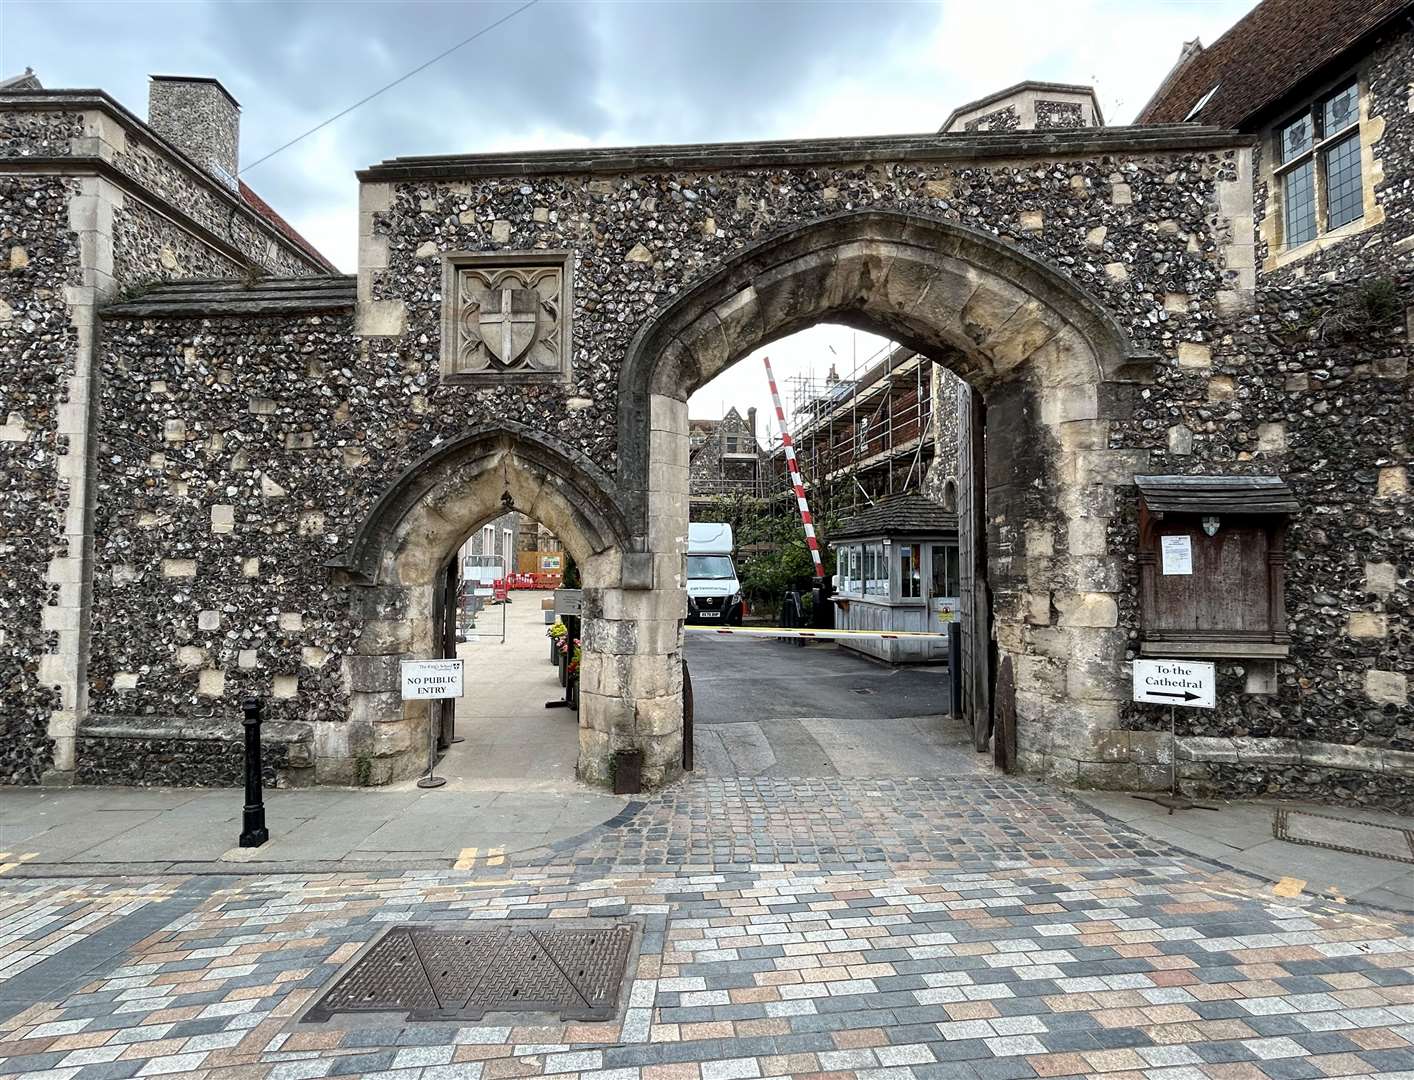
(897, 569)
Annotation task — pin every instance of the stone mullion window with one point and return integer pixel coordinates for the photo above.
(1317, 166)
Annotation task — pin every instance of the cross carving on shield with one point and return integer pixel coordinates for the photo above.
(506, 317)
(508, 321)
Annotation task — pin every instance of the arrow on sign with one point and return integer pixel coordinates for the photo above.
(1187, 695)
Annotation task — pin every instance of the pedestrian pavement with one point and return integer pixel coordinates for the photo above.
(97, 830)
(512, 742)
(510, 789)
(1241, 835)
(1144, 967)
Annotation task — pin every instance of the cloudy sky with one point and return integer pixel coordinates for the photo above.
(589, 74)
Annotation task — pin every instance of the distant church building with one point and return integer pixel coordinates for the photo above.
(724, 456)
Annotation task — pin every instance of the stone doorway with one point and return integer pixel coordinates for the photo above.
(398, 573)
(503, 735)
(1039, 488)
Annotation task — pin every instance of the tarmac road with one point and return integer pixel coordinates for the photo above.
(771, 708)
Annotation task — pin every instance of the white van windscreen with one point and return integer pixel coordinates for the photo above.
(710, 567)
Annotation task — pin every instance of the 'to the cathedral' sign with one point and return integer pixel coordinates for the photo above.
(1175, 682)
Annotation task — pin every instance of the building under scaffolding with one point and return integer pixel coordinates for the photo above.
(869, 434)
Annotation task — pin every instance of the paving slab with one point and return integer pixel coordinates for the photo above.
(72, 838)
(1241, 835)
(902, 746)
(745, 747)
(509, 735)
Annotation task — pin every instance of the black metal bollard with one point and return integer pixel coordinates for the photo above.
(255, 833)
(955, 667)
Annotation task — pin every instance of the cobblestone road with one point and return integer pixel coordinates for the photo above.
(841, 928)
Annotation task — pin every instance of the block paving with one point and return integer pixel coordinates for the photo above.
(957, 821)
(985, 931)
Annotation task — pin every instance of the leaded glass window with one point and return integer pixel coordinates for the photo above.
(1299, 192)
(1340, 110)
(1345, 196)
(1318, 167)
(1296, 138)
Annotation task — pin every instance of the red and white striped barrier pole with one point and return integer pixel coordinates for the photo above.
(795, 480)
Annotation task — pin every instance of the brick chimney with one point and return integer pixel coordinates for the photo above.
(200, 118)
(751, 421)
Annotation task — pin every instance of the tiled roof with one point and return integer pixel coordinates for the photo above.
(1264, 57)
(903, 515)
(265, 210)
(1217, 494)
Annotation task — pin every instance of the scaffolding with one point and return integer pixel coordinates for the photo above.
(859, 437)
(872, 427)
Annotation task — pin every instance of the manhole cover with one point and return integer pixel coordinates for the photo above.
(1340, 834)
(463, 973)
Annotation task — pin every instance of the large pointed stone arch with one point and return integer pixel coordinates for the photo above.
(1048, 361)
(978, 304)
(397, 556)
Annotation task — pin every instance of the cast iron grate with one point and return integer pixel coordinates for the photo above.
(1340, 834)
(450, 973)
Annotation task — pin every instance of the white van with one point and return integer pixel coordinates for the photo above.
(713, 591)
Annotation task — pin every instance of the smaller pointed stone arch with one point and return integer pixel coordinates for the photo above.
(397, 561)
(449, 491)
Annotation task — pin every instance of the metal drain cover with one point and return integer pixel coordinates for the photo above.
(463, 973)
(1341, 834)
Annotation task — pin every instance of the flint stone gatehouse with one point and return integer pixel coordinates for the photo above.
(231, 473)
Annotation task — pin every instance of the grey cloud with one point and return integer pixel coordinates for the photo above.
(670, 72)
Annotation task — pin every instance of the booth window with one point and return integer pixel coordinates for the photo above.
(910, 581)
(1212, 565)
(946, 572)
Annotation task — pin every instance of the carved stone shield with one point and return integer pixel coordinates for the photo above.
(509, 320)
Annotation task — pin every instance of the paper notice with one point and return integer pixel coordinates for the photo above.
(1177, 554)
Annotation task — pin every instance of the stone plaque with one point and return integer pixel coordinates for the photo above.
(506, 317)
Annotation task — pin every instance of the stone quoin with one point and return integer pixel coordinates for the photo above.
(234, 472)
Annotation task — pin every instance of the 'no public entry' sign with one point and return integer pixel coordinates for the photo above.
(425, 679)
(1175, 682)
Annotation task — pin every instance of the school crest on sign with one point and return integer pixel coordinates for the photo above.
(506, 317)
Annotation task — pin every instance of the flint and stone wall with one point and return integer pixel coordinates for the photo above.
(39, 262)
(1314, 384)
(238, 450)
(315, 424)
(91, 205)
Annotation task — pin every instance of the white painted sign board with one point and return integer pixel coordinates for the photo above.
(1177, 552)
(1175, 682)
(426, 679)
